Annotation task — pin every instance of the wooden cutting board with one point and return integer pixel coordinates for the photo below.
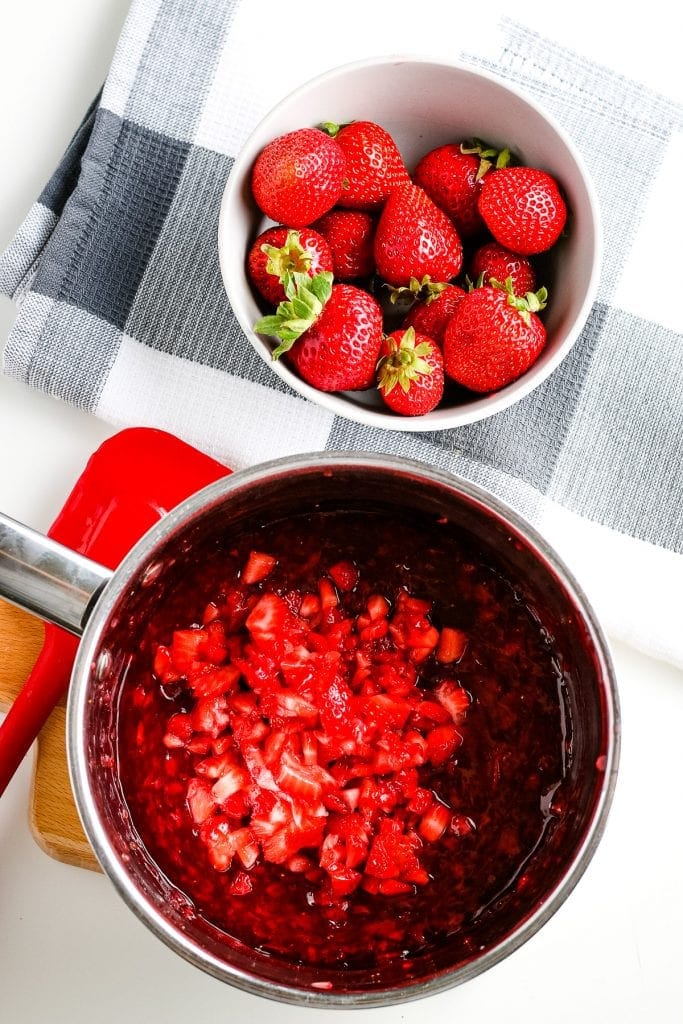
(53, 816)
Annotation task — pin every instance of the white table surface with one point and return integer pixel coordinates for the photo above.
(69, 948)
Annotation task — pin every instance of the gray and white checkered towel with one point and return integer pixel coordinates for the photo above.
(122, 310)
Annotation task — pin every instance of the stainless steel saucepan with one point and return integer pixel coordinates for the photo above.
(111, 609)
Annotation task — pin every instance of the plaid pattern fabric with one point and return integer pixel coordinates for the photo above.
(123, 312)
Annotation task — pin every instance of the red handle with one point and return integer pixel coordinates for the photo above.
(130, 482)
(47, 682)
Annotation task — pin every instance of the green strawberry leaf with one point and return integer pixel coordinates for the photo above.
(306, 298)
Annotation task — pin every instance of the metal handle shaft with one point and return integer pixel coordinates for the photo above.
(46, 578)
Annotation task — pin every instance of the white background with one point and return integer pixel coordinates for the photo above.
(69, 949)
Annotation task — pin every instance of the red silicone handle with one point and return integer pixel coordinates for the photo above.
(130, 482)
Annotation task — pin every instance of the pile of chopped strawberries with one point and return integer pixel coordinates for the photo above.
(374, 277)
(308, 733)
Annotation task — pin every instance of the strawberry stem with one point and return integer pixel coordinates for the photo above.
(289, 259)
(332, 129)
(425, 290)
(403, 364)
(488, 155)
(532, 302)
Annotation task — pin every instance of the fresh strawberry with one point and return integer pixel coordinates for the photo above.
(452, 179)
(410, 373)
(453, 698)
(523, 209)
(431, 316)
(493, 338)
(345, 575)
(415, 238)
(493, 262)
(451, 647)
(350, 235)
(340, 351)
(298, 177)
(434, 822)
(278, 252)
(259, 565)
(374, 165)
(442, 741)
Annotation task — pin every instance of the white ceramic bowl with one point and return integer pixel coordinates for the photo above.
(425, 104)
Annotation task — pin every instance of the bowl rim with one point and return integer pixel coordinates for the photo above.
(82, 682)
(342, 403)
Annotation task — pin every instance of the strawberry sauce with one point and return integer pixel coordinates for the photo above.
(344, 738)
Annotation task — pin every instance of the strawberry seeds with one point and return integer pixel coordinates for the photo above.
(333, 737)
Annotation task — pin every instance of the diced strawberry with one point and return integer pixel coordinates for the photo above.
(432, 711)
(237, 805)
(299, 864)
(179, 731)
(305, 782)
(344, 881)
(246, 847)
(375, 630)
(199, 744)
(451, 646)
(454, 698)
(216, 642)
(200, 800)
(328, 595)
(282, 703)
(442, 741)
(345, 575)
(406, 602)
(268, 618)
(393, 856)
(310, 606)
(461, 825)
(209, 680)
(378, 607)
(383, 712)
(187, 647)
(309, 747)
(259, 565)
(434, 822)
(394, 887)
(211, 613)
(216, 834)
(288, 840)
(233, 781)
(210, 715)
(236, 608)
(163, 666)
(219, 764)
(421, 801)
(240, 885)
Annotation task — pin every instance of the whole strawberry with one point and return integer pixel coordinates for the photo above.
(451, 178)
(349, 235)
(410, 373)
(278, 252)
(414, 238)
(492, 261)
(523, 209)
(493, 338)
(340, 351)
(298, 177)
(432, 315)
(374, 165)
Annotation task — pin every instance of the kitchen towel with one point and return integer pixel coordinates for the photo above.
(122, 310)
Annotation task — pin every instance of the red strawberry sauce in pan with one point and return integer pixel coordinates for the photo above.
(344, 737)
